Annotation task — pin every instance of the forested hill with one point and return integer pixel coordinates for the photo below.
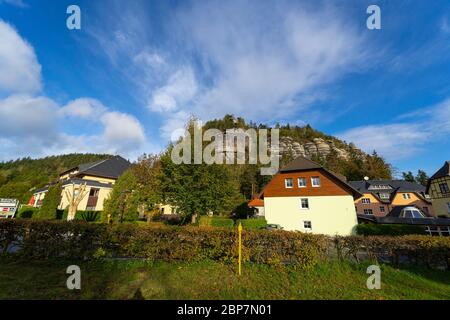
(18, 178)
(334, 154)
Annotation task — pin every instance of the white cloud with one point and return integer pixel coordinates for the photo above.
(26, 117)
(86, 108)
(179, 90)
(20, 70)
(16, 3)
(403, 139)
(122, 132)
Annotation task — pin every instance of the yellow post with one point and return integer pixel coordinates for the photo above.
(240, 246)
(109, 218)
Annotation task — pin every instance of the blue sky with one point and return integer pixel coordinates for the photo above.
(137, 70)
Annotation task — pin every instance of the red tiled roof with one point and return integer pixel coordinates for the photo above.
(256, 203)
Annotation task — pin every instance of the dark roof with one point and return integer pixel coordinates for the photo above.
(108, 168)
(442, 172)
(304, 164)
(395, 212)
(397, 186)
(300, 163)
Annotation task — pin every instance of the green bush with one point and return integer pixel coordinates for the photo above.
(90, 216)
(252, 223)
(206, 221)
(371, 229)
(27, 212)
(35, 239)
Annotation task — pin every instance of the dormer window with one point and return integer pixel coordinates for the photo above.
(379, 187)
(384, 195)
(315, 182)
(289, 183)
(302, 182)
(365, 200)
(406, 196)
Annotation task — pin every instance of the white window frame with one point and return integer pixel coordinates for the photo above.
(312, 182)
(365, 202)
(368, 214)
(310, 225)
(301, 203)
(286, 184)
(298, 182)
(406, 196)
(382, 209)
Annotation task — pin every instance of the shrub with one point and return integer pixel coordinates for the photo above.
(50, 203)
(27, 212)
(253, 223)
(371, 229)
(87, 215)
(206, 221)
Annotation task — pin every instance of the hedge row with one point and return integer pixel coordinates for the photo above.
(371, 229)
(81, 240)
(252, 223)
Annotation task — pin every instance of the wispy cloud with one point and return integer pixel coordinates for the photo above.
(405, 138)
(16, 3)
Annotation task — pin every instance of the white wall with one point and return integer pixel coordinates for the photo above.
(330, 215)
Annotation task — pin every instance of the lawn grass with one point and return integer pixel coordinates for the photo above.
(213, 280)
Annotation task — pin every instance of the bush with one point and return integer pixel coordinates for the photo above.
(90, 216)
(81, 240)
(206, 221)
(27, 212)
(371, 229)
(252, 223)
(50, 203)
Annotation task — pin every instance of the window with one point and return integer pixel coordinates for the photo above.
(384, 195)
(444, 187)
(406, 196)
(412, 213)
(304, 203)
(382, 209)
(368, 211)
(365, 200)
(94, 192)
(288, 183)
(302, 182)
(379, 187)
(307, 225)
(448, 207)
(315, 181)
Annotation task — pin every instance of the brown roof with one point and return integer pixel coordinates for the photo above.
(442, 172)
(302, 164)
(256, 203)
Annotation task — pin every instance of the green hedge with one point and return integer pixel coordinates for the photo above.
(205, 221)
(78, 239)
(252, 223)
(37, 239)
(27, 212)
(371, 229)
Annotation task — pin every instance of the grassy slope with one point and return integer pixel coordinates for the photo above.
(211, 280)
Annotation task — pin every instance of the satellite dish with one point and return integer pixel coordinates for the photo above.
(366, 178)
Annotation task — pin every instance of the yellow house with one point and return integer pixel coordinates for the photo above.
(304, 196)
(98, 177)
(439, 190)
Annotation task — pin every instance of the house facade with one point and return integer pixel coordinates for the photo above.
(304, 196)
(98, 177)
(439, 190)
(380, 198)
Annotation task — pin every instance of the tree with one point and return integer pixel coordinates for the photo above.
(422, 177)
(408, 176)
(74, 196)
(198, 189)
(51, 202)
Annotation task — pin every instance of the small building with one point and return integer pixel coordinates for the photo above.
(380, 197)
(439, 190)
(304, 196)
(258, 205)
(99, 178)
